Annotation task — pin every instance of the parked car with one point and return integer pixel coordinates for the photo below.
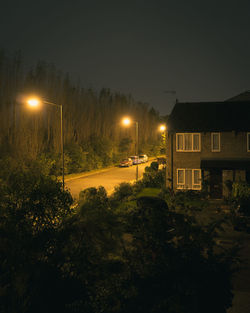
(143, 158)
(135, 159)
(126, 162)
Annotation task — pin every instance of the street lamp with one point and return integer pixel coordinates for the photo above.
(162, 129)
(34, 103)
(126, 121)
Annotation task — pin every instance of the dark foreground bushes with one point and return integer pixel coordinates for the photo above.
(94, 258)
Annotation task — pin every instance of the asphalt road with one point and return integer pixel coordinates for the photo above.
(107, 178)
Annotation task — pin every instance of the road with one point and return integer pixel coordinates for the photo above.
(107, 178)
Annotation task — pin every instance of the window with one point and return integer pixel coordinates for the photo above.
(188, 142)
(215, 142)
(189, 179)
(179, 142)
(248, 142)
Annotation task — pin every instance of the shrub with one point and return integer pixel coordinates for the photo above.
(122, 191)
(93, 194)
(154, 178)
(241, 197)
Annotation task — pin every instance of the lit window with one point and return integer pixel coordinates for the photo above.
(188, 142)
(180, 178)
(189, 179)
(196, 142)
(197, 179)
(215, 142)
(179, 141)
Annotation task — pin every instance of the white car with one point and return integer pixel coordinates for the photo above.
(135, 159)
(143, 158)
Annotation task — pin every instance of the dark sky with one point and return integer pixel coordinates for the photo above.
(200, 49)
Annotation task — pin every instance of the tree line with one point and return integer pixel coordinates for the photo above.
(93, 136)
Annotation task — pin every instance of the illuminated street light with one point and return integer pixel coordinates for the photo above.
(162, 128)
(35, 103)
(126, 121)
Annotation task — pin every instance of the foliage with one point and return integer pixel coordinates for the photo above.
(97, 258)
(93, 194)
(152, 177)
(184, 200)
(241, 206)
(125, 145)
(122, 192)
(172, 264)
(152, 168)
(32, 207)
(93, 136)
(149, 192)
(241, 197)
(241, 190)
(76, 158)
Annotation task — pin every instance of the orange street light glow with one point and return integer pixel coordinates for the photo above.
(162, 128)
(126, 121)
(33, 102)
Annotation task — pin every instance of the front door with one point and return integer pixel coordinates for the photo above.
(216, 184)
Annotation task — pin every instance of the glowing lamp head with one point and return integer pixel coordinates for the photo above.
(33, 102)
(126, 121)
(162, 128)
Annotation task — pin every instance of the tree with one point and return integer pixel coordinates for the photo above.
(32, 208)
(172, 263)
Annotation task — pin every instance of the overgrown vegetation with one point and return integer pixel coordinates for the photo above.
(127, 253)
(93, 135)
(240, 206)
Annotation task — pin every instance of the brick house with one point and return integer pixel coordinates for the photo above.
(208, 144)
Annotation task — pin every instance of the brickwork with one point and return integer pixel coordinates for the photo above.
(233, 145)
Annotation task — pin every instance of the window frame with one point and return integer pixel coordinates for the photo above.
(248, 142)
(183, 142)
(212, 141)
(182, 186)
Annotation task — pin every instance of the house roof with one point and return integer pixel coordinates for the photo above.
(244, 96)
(210, 116)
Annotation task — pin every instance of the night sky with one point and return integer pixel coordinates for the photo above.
(200, 49)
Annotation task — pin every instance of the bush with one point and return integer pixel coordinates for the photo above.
(152, 168)
(241, 190)
(93, 194)
(32, 210)
(154, 178)
(241, 197)
(172, 263)
(122, 191)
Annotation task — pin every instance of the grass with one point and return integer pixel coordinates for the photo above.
(149, 192)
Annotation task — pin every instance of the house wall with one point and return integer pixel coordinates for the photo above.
(232, 145)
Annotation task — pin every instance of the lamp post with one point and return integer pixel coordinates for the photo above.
(162, 129)
(126, 122)
(34, 103)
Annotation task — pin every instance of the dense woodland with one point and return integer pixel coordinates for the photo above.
(93, 135)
